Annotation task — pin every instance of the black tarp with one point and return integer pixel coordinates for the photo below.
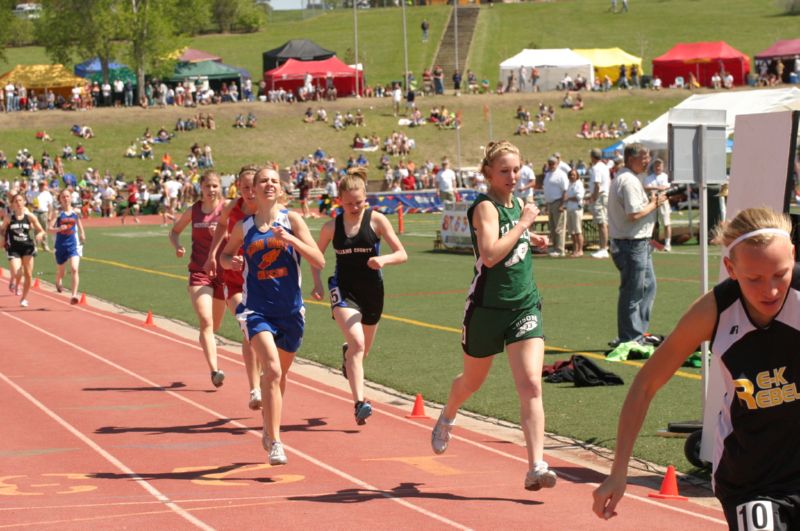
(300, 49)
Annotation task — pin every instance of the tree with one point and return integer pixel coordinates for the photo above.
(194, 15)
(83, 28)
(6, 23)
(153, 36)
(238, 15)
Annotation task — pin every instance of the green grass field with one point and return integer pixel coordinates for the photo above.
(418, 346)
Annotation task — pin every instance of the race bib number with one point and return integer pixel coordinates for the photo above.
(755, 516)
(336, 296)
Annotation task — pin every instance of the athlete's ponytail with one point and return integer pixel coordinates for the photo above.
(355, 179)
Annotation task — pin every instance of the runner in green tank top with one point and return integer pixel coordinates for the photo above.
(508, 285)
(503, 309)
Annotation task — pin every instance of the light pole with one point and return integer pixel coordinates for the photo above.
(355, 34)
(405, 47)
(458, 125)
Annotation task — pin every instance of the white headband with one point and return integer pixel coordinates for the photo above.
(757, 232)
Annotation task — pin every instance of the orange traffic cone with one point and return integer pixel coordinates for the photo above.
(669, 487)
(83, 299)
(36, 283)
(149, 319)
(418, 412)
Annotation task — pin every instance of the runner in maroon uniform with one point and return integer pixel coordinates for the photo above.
(133, 201)
(206, 291)
(235, 211)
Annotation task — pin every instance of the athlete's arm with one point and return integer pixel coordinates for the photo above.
(81, 232)
(487, 226)
(40, 232)
(301, 240)
(230, 257)
(383, 228)
(325, 237)
(696, 326)
(177, 228)
(220, 233)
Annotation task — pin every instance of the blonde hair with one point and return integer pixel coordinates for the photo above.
(496, 149)
(355, 179)
(207, 175)
(749, 220)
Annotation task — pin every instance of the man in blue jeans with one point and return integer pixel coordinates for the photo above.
(631, 216)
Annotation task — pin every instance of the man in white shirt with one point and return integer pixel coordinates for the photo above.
(555, 186)
(446, 182)
(563, 166)
(525, 183)
(658, 181)
(599, 181)
(43, 208)
(631, 216)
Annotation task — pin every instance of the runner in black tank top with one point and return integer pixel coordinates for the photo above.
(356, 287)
(753, 321)
(20, 246)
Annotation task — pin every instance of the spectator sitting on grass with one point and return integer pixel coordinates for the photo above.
(67, 153)
(80, 152)
(131, 151)
(322, 115)
(238, 122)
(308, 116)
(524, 128)
(539, 125)
(147, 151)
(250, 123)
(338, 121)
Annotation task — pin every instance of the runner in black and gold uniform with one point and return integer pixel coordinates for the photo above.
(20, 246)
(753, 322)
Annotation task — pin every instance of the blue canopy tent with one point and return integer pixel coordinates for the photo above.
(611, 150)
(91, 69)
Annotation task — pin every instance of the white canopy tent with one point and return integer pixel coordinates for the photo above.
(654, 135)
(552, 65)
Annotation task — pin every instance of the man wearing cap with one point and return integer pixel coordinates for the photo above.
(599, 181)
(555, 186)
(631, 217)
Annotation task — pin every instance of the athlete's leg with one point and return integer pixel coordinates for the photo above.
(286, 359)
(27, 275)
(466, 383)
(15, 269)
(204, 306)
(60, 272)
(269, 358)
(74, 264)
(525, 358)
(349, 321)
(248, 355)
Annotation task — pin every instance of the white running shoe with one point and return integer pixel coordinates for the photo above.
(441, 435)
(540, 477)
(24, 303)
(602, 253)
(667, 247)
(255, 399)
(276, 454)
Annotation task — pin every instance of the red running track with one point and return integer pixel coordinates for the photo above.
(109, 424)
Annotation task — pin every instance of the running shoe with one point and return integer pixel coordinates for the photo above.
(602, 253)
(255, 399)
(540, 477)
(217, 377)
(12, 288)
(24, 303)
(276, 454)
(74, 300)
(18, 289)
(344, 360)
(59, 286)
(363, 412)
(441, 434)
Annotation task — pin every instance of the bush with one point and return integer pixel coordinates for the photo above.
(790, 7)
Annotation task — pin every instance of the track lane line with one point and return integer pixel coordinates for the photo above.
(121, 466)
(391, 415)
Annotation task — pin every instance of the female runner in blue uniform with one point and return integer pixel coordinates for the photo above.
(20, 247)
(753, 322)
(70, 238)
(356, 287)
(274, 239)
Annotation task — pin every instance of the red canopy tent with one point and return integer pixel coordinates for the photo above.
(290, 76)
(785, 51)
(702, 59)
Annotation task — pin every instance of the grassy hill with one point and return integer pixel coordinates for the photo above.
(649, 29)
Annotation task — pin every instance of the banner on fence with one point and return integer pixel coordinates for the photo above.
(413, 202)
(455, 227)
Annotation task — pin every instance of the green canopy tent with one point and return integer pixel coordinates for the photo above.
(216, 73)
